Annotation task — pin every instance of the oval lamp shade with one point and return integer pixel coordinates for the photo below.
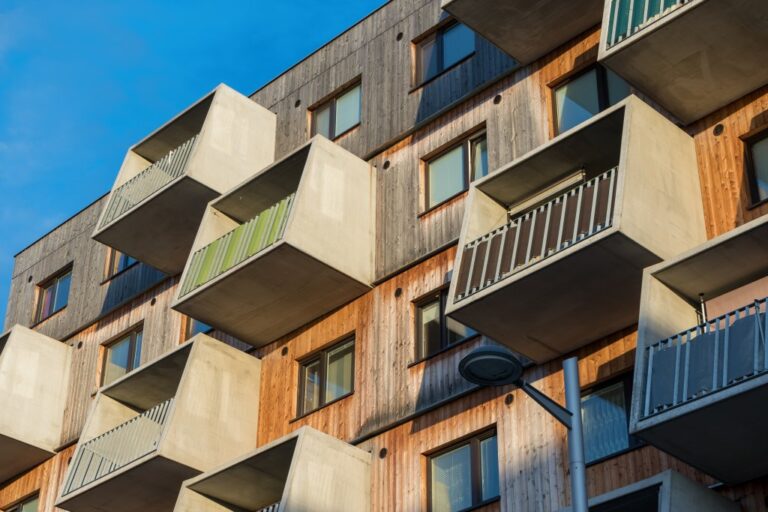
(491, 366)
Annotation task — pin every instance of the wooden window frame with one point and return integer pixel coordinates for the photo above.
(626, 379)
(603, 97)
(321, 356)
(476, 470)
(750, 170)
(18, 506)
(111, 263)
(38, 317)
(467, 144)
(132, 332)
(330, 102)
(440, 295)
(436, 34)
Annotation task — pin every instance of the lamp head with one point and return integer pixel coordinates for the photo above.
(491, 365)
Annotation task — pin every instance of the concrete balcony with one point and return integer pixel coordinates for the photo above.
(701, 376)
(161, 424)
(665, 492)
(527, 30)
(166, 180)
(553, 244)
(34, 378)
(285, 247)
(305, 470)
(691, 56)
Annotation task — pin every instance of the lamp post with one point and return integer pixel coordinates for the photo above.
(497, 366)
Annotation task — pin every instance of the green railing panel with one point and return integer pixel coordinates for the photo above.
(238, 245)
(628, 17)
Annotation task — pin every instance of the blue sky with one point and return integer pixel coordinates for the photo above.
(81, 81)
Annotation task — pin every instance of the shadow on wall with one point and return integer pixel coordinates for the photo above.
(129, 284)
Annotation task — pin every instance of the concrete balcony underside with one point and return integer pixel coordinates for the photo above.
(692, 59)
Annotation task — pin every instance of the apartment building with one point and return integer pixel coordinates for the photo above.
(268, 310)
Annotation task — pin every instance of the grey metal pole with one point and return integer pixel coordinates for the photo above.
(579, 496)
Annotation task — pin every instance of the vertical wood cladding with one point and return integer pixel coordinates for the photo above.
(722, 169)
(90, 296)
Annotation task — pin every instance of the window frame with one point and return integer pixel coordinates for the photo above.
(473, 441)
(321, 356)
(626, 379)
(330, 102)
(750, 169)
(112, 260)
(133, 333)
(19, 506)
(468, 145)
(436, 34)
(188, 323)
(440, 295)
(44, 285)
(603, 95)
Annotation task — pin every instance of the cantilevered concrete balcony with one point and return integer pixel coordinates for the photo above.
(691, 56)
(701, 375)
(306, 470)
(34, 378)
(161, 424)
(527, 30)
(285, 247)
(666, 492)
(553, 244)
(166, 180)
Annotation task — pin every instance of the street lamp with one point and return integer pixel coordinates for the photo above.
(496, 366)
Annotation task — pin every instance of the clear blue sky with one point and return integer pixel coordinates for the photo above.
(81, 81)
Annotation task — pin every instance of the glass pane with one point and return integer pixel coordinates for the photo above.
(196, 327)
(322, 119)
(30, 505)
(62, 291)
(137, 350)
(489, 462)
(46, 301)
(457, 331)
(311, 391)
(347, 110)
(123, 262)
(618, 89)
(446, 176)
(339, 372)
(118, 355)
(760, 164)
(428, 59)
(451, 481)
(576, 101)
(458, 42)
(429, 328)
(604, 415)
(479, 157)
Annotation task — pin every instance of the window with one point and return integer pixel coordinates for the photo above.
(28, 505)
(435, 331)
(585, 95)
(605, 414)
(122, 356)
(465, 475)
(337, 116)
(450, 172)
(443, 49)
(327, 376)
(757, 166)
(52, 295)
(117, 262)
(194, 327)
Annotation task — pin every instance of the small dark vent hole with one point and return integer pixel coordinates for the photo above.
(399, 36)
(718, 130)
(297, 104)
(383, 453)
(497, 99)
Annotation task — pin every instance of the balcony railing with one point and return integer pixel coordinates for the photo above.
(148, 181)
(238, 245)
(706, 358)
(118, 447)
(537, 234)
(631, 16)
(271, 508)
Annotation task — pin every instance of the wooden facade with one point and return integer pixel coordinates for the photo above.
(402, 408)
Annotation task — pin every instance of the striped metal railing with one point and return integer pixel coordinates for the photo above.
(238, 245)
(117, 448)
(148, 181)
(271, 508)
(707, 358)
(627, 17)
(537, 234)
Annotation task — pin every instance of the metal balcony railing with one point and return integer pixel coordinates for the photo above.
(148, 181)
(706, 358)
(271, 508)
(537, 234)
(117, 448)
(238, 245)
(627, 17)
